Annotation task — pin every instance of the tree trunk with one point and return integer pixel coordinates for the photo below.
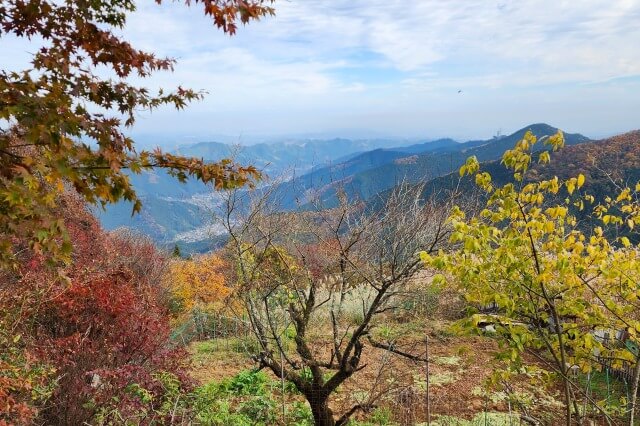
(322, 414)
(634, 392)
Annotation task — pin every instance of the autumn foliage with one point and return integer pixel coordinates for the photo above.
(557, 288)
(83, 314)
(98, 326)
(54, 138)
(198, 283)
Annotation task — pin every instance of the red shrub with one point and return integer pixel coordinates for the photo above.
(103, 327)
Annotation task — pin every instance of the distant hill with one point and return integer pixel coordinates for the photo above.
(616, 158)
(605, 163)
(301, 189)
(174, 211)
(370, 173)
(276, 158)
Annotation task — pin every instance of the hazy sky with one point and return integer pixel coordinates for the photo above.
(385, 67)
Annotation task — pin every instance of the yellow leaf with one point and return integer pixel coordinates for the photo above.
(425, 257)
(624, 195)
(544, 157)
(548, 226)
(580, 180)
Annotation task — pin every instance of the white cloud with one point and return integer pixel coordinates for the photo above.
(550, 40)
(356, 63)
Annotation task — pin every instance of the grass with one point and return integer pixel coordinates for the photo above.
(480, 419)
(436, 379)
(447, 360)
(218, 359)
(240, 345)
(605, 388)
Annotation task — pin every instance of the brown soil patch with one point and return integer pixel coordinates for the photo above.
(458, 368)
(215, 366)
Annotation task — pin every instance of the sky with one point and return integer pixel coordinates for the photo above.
(396, 68)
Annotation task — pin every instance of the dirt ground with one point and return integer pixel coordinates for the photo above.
(458, 368)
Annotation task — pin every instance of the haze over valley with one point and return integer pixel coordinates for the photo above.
(302, 174)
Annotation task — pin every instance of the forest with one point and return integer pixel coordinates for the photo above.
(504, 293)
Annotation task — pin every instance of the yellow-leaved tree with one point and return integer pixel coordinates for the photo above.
(565, 292)
(198, 284)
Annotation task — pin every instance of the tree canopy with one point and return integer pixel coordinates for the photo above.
(63, 121)
(558, 290)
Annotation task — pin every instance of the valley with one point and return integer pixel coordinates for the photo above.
(302, 175)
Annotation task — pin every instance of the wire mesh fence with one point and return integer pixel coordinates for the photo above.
(409, 404)
(223, 332)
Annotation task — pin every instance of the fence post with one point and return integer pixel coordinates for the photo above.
(426, 359)
(215, 331)
(284, 412)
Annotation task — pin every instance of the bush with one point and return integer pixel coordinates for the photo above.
(300, 414)
(100, 322)
(381, 416)
(24, 385)
(248, 382)
(244, 399)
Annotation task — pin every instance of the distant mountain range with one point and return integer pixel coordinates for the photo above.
(314, 170)
(173, 211)
(606, 164)
(280, 157)
(370, 173)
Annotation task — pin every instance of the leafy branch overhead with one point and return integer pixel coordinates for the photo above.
(62, 123)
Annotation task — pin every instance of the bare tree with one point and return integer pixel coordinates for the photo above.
(333, 271)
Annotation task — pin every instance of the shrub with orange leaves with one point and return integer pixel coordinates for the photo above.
(24, 382)
(198, 283)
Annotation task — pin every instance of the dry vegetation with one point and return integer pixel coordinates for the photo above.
(460, 366)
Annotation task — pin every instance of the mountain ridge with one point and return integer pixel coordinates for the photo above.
(321, 186)
(605, 163)
(175, 212)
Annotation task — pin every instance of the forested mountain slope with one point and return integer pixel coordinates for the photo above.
(605, 163)
(366, 179)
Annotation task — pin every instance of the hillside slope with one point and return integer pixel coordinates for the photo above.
(369, 181)
(305, 187)
(605, 163)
